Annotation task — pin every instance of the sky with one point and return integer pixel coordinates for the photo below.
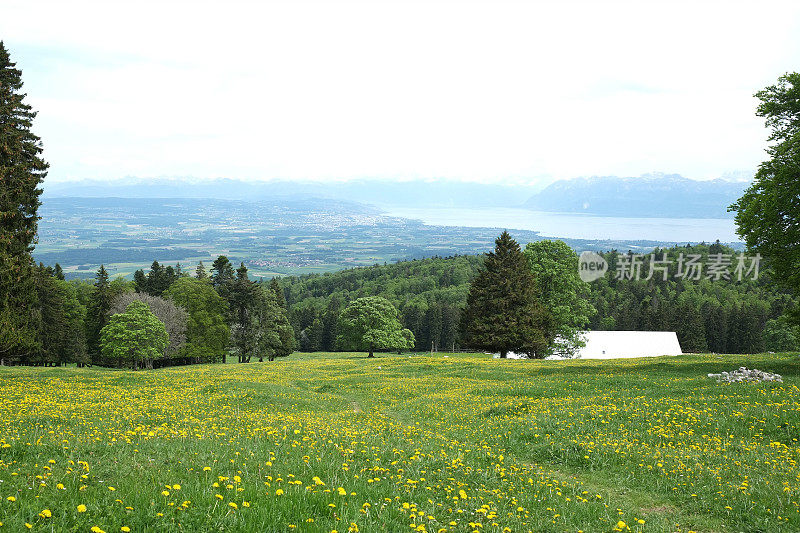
(498, 92)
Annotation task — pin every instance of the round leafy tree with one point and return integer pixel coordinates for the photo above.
(563, 293)
(371, 323)
(768, 214)
(136, 337)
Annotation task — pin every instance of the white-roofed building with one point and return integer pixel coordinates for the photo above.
(624, 344)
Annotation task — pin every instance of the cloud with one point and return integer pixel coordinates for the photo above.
(486, 91)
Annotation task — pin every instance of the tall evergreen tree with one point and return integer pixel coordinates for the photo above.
(22, 170)
(140, 282)
(242, 297)
(330, 325)
(97, 316)
(504, 313)
(280, 299)
(200, 271)
(58, 272)
(222, 277)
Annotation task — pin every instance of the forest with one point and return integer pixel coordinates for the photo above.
(208, 316)
(723, 316)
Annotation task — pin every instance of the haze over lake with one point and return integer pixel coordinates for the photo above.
(577, 226)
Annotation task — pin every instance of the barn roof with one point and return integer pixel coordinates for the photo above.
(622, 344)
(625, 344)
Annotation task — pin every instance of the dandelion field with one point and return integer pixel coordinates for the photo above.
(339, 442)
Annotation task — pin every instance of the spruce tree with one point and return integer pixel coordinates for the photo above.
(21, 172)
(97, 316)
(242, 296)
(280, 299)
(200, 271)
(503, 312)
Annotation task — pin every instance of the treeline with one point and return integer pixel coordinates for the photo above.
(733, 315)
(718, 315)
(429, 293)
(162, 318)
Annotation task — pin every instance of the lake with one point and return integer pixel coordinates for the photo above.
(577, 226)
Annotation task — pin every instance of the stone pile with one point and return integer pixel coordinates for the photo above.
(744, 375)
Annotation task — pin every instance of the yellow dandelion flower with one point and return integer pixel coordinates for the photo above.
(82, 509)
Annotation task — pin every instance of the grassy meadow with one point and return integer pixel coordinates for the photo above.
(339, 442)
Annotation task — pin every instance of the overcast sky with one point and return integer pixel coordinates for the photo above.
(490, 91)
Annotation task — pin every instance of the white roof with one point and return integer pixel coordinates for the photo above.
(625, 344)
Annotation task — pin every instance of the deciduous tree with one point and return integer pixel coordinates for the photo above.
(207, 333)
(172, 316)
(563, 294)
(134, 338)
(768, 214)
(371, 323)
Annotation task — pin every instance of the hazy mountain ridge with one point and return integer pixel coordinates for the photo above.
(652, 195)
(415, 193)
(655, 195)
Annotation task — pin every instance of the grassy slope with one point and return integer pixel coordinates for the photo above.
(542, 446)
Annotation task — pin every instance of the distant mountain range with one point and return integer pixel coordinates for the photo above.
(654, 195)
(659, 195)
(416, 193)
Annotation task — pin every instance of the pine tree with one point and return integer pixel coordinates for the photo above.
(21, 172)
(503, 312)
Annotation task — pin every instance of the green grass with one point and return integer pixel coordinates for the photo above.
(533, 445)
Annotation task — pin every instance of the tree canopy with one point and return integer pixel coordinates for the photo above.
(135, 337)
(371, 323)
(565, 296)
(207, 333)
(768, 214)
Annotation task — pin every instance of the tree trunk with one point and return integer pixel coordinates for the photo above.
(503, 354)
(370, 351)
